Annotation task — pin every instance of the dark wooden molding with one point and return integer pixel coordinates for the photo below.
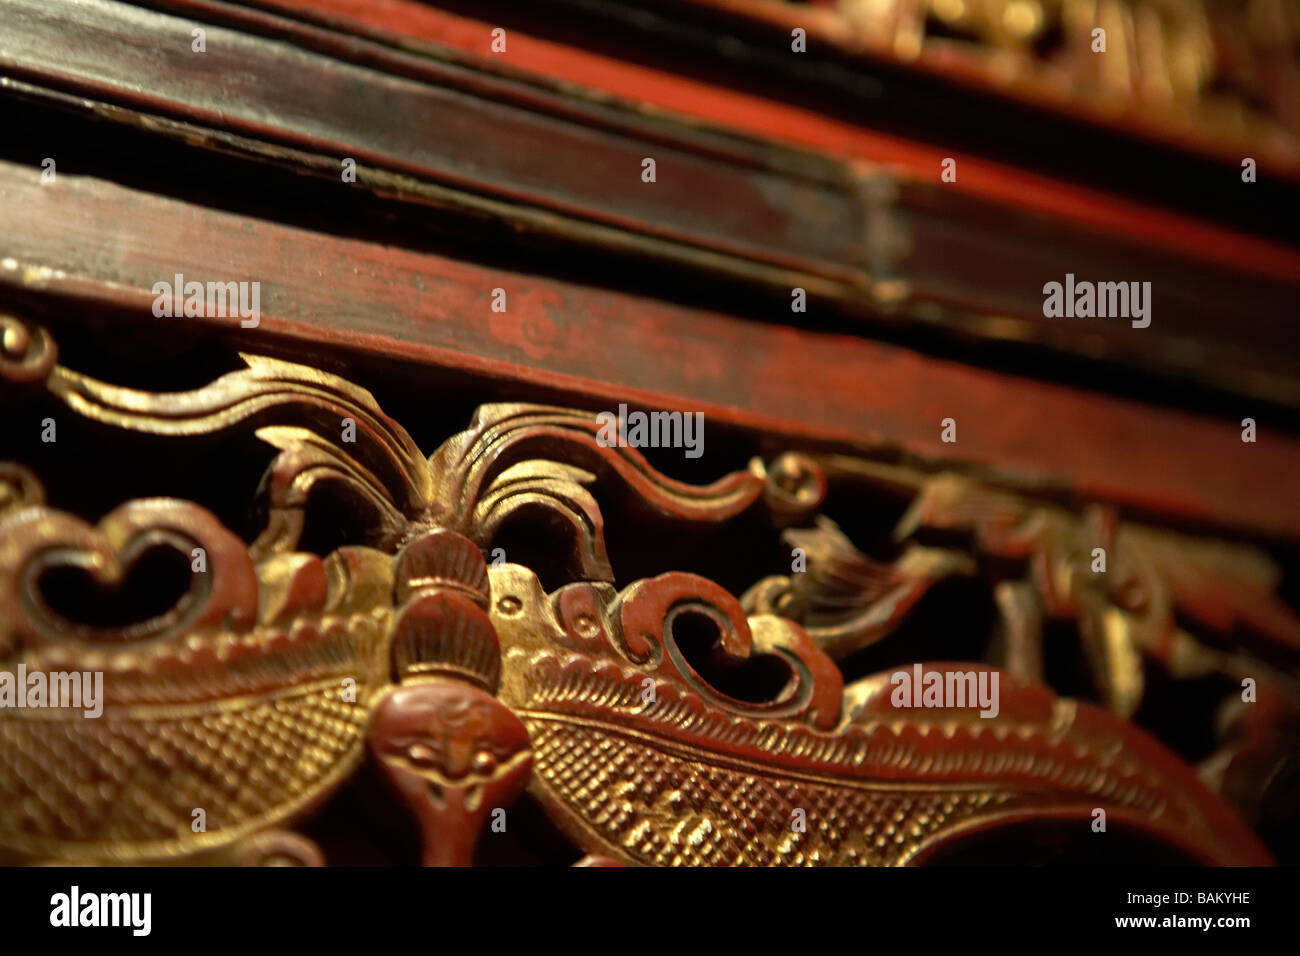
(432, 127)
(99, 243)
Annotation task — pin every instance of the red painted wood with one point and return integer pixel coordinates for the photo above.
(305, 93)
(456, 130)
(403, 20)
(110, 244)
(965, 67)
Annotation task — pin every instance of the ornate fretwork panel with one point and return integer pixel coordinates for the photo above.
(661, 721)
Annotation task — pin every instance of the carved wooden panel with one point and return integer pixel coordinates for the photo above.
(256, 695)
(370, 571)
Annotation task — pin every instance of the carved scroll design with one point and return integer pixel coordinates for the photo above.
(512, 458)
(469, 683)
(302, 412)
(236, 710)
(516, 457)
(376, 642)
(1152, 580)
(27, 352)
(845, 600)
(640, 762)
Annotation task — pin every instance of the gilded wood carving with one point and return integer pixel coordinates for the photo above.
(466, 684)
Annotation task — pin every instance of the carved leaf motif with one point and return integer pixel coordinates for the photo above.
(515, 455)
(513, 458)
(845, 600)
(1218, 585)
(305, 410)
(1152, 579)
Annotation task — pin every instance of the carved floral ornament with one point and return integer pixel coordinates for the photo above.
(278, 672)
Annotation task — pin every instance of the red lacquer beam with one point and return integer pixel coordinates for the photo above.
(109, 244)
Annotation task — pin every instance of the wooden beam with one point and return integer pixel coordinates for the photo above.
(109, 245)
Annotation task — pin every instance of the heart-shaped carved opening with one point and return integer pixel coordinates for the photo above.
(155, 592)
(757, 679)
